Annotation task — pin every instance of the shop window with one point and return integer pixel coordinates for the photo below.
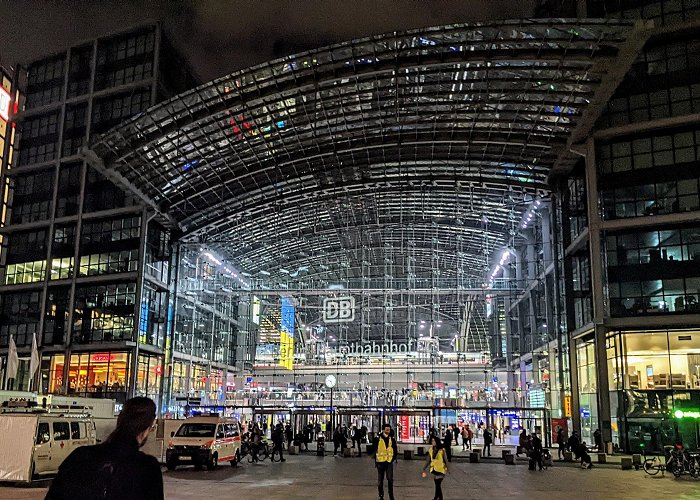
(149, 371)
(98, 372)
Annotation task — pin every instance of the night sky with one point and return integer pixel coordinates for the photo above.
(221, 36)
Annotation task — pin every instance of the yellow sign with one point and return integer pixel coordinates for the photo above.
(567, 406)
(286, 350)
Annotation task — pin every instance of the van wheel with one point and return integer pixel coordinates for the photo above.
(213, 461)
(236, 459)
(171, 464)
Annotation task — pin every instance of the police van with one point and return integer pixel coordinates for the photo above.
(34, 442)
(204, 440)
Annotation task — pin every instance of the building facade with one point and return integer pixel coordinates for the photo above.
(84, 264)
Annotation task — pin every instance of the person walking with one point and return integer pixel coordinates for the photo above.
(357, 439)
(488, 439)
(278, 442)
(386, 453)
(536, 453)
(437, 463)
(561, 441)
(115, 469)
(447, 444)
(465, 436)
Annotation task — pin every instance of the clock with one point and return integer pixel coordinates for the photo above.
(330, 381)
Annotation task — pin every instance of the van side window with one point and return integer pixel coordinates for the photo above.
(42, 433)
(231, 430)
(61, 431)
(220, 431)
(75, 430)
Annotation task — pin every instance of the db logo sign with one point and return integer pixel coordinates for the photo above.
(339, 310)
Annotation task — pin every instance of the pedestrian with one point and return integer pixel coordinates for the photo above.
(278, 442)
(465, 436)
(455, 433)
(561, 441)
(448, 444)
(308, 432)
(386, 453)
(488, 439)
(289, 434)
(357, 439)
(598, 439)
(337, 440)
(522, 443)
(574, 444)
(114, 469)
(586, 462)
(536, 452)
(437, 462)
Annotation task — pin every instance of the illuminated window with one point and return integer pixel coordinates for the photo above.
(25, 272)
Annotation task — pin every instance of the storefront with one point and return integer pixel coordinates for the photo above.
(94, 374)
(652, 375)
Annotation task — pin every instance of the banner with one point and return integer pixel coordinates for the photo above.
(287, 334)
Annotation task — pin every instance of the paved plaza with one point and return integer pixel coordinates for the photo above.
(311, 477)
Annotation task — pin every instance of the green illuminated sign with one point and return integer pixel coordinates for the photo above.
(686, 414)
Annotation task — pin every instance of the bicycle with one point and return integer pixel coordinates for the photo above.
(264, 451)
(653, 466)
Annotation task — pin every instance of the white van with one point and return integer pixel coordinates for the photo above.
(204, 441)
(35, 444)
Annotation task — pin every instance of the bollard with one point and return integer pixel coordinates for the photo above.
(602, 458)
(474, 457)
(294, 450)
(568, 456)
(509, 459)
(505, 452)
(626, 463)
(636, 459)
(421, 451)
(408, 454)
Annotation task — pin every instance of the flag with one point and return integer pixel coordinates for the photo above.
(34, 361)
(12, 361)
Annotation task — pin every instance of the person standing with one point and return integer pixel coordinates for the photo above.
(289, 434)
(488, 439)
(465, 436)
(574, 444)
(437, 463)
(448, 443)
(115, 469)
(561, 441)
(278, 442)
(598, 439)
(522, 443)
(386, 453)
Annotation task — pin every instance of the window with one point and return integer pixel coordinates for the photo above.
(75, 430)
(42, 433)
(104, 313)
(61, 431)
(104, 373)
(20, 313)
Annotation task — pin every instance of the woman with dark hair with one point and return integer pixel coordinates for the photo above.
(115, 469)
(437, 462)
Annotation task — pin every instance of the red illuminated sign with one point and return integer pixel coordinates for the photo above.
(101, 358)
(405, 430)
(5, 99)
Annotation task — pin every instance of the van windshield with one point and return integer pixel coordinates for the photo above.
(196, 430)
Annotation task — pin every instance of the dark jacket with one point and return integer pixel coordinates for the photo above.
(111, 470)
(488, 437)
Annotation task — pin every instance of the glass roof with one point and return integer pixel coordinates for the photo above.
(406, 150)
